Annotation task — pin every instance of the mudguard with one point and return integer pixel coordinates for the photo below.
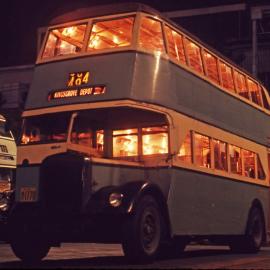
(132, 192)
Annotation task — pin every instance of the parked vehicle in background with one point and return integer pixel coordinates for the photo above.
(8, 152)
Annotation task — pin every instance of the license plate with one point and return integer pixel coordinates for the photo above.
(28, 194)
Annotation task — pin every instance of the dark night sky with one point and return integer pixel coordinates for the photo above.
(21, 18)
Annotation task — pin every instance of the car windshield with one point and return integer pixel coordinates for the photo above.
(47, 128)
(3, 131)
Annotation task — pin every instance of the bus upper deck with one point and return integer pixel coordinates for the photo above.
(140, 56)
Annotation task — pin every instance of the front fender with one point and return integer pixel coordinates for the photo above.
(132, 192)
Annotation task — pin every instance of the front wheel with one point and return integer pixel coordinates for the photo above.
(142, 231)
(30, 250)
(251, 242)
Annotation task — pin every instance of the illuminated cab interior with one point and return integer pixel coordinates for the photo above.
(119, 133)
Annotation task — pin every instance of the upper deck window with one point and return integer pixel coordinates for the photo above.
(150, 36)
(194, 55)
(264, 99)
(111, 34)
(175, 45)
(64, 41)
(211, 66)
(254, 92)
(241, 84)
(226, 76)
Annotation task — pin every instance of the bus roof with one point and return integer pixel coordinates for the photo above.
(102, 10)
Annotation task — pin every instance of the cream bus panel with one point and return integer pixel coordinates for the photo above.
(35, 154)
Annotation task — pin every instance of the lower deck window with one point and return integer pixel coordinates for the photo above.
(185, 153)
(202, 150)
(235, 159)
(220, 155)
(148, 141)
(154, 140)
(125, 143)
(249, 163)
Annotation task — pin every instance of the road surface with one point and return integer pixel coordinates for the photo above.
(101, 256)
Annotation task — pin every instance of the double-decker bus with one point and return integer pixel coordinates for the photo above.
(136, 132)
(8, 154)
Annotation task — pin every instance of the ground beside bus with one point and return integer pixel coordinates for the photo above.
(110, 256)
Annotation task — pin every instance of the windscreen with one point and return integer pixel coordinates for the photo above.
(47, 128)
(3, 131)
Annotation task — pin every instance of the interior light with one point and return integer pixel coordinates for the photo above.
(115, 39)
(69, 31)
(94, 42)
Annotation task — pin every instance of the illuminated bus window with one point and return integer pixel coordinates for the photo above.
(64, 41)
(264, 99)
(194, 55)
(111, 34)
(220, 155)
(202, 151)
(175, 45)
(226, 76)
(99, 141)
(83, 133)
(241, 85)
(150, 36)
(211, 66)
(260, 171)
(185, 152)
(125, 143)
(249, 163)
(51, 128)
(235, 159)
(254, 92)
(154, 140)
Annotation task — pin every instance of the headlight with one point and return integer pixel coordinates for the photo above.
(115, 199)
(3, 205)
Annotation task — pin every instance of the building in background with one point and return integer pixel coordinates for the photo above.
(14, 86)
(240, 31)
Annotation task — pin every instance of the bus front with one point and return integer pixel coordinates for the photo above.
(89, 145)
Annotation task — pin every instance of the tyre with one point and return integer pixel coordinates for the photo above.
(30, 249)
(252, 241)
(142, 232)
